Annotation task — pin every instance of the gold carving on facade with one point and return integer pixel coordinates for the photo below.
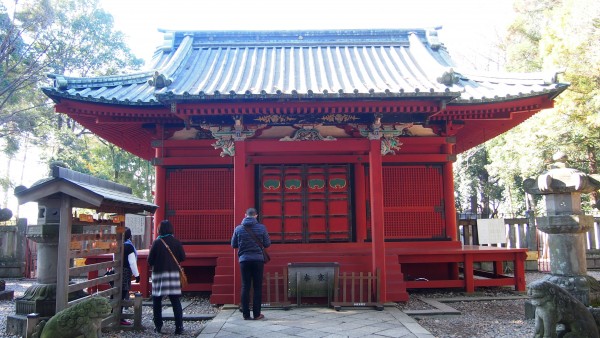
(227, 147)
(389, 145)
(307, 133)
(226, 135)
(275, 119)
(388, 134)
(339, 118)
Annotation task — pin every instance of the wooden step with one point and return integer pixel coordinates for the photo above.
(222, 288)
(395, 285)
(223, 279)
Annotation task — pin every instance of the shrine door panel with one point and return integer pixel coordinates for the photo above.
(199, 203)
(306, 203)
(413, 202)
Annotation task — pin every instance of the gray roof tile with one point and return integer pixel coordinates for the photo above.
(349, 64)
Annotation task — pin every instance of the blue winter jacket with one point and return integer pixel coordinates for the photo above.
(248, 250)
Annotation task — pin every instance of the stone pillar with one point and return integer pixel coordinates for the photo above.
(565, 224)
(41, 298)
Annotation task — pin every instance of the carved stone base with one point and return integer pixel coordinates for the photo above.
(16, 325)
(577, 286)
(593, 295)
(39, 298)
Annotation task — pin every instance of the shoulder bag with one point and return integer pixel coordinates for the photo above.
(266, 256)
(182, 275)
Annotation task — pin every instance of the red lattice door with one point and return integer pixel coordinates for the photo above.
(413, 202)
(199, 203)
(306, 203)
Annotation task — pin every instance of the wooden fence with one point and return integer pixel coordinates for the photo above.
(18, 255)
(521, 234)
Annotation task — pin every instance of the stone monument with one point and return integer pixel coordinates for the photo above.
(565, 223)
(559, 302)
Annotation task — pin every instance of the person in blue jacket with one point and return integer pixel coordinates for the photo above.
(251, 261)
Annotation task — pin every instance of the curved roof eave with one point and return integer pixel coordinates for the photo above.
(302, 65)
(86, 193)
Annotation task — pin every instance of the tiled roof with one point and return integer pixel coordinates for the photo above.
(81, 184)
(263, 65)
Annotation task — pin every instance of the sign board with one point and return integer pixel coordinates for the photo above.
(491, 231)
(137, 224)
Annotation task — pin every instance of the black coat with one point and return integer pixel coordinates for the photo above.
(159, 257)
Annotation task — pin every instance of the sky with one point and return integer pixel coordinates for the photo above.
(467, 25)
(464, 22)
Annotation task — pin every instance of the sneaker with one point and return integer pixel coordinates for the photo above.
(125, 322)
(260, 317)
(157, 329)
(247, 318)
(179, 330)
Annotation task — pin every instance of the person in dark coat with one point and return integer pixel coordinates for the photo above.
(130, 268)
(251, 261)
(165, 275)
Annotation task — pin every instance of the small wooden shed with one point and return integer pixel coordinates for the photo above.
(82, 236)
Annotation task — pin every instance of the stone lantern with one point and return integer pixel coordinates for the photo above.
(565, 223)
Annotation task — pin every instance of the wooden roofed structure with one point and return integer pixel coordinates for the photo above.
(58, 230)
(344, 140)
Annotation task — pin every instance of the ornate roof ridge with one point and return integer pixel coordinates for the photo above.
(547, 77)
(64, 81)
(329, 37)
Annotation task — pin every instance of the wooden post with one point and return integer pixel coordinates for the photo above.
(449, 203)
(519, 272)
(449, 207)
(137, 311)
(468, 273)
(240, 204)
(118, 258)
(361, 205)
(512, 237)
(532, 236)
(160, 193)
(377, 219)
(64, 243)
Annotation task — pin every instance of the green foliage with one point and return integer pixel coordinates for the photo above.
(89, 154)
(22, 67)
(83, 36)
(549, 35)
(75, 38)
(474, 181)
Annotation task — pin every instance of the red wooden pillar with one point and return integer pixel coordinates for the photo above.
(468, 272)
(361, 204)
(377, 233)
(240, 204)
(449, 206)
(160, 191)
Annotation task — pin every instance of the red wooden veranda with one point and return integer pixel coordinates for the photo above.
(343, 140)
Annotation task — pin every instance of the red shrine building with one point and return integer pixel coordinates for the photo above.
(343, 140)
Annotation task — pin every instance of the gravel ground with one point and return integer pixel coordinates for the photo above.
(489, 318)
(199, 305)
